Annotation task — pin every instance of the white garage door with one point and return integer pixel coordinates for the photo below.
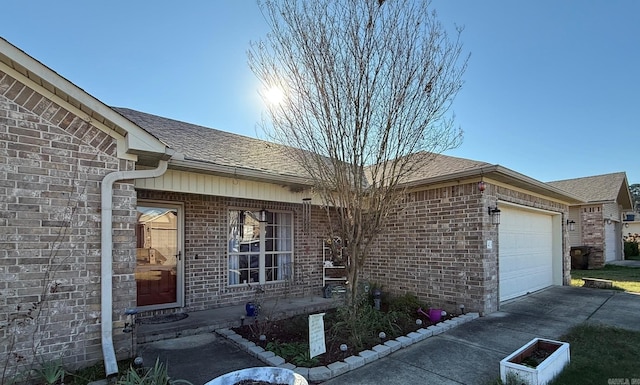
(611, 242)
(525, 252)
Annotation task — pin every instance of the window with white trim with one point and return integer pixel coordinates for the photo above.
(260, 246)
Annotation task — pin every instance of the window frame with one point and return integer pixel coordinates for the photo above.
(272, 235)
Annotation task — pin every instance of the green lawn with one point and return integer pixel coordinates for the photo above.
(600, 354)
(624, 278)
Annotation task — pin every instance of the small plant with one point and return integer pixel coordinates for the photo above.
(294, 352)
(94, 372)
(362, 323)
(265, 316)
(157, 375)
(303, 359)
(50, 372)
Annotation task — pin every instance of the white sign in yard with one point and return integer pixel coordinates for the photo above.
(317, 345)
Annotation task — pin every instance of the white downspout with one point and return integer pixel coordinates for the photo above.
(106, 287)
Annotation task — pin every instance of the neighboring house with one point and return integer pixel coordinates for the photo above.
(631, 224)
(105, 209)
(599, 222)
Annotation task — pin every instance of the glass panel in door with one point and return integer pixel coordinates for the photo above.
(158, 255)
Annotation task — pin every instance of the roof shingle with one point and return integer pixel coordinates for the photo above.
(209, 145)
(597, 188)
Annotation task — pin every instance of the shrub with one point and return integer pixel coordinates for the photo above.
(631, 249)
(360, 323)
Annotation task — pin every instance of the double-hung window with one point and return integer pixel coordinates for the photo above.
(260, 246)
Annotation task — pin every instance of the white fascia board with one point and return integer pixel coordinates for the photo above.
(136, 139)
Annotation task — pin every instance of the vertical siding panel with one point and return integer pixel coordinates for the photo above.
(187, 182)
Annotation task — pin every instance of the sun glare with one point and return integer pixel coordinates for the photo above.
(274, 95)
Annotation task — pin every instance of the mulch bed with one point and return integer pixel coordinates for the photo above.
(295, 329)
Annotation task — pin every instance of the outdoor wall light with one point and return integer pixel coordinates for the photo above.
(494, 212)
(571, 224)
(626, 225)
(263, 215)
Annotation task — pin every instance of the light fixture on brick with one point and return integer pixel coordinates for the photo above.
(571, 224)
(494, 212)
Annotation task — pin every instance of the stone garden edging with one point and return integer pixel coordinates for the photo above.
(324, 373)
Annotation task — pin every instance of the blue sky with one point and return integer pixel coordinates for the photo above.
(551, 90)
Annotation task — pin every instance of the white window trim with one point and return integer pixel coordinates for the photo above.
(262, 254)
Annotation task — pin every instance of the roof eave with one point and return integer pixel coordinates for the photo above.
(137, 140)
(507, 176)
(294, 182)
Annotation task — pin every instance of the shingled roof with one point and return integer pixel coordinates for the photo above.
(599, 188)
(439, 165)
(206, 149)
(208, 145)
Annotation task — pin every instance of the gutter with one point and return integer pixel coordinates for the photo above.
(106, 279)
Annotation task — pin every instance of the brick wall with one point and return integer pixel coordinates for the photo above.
(51, 165)
(593, 234)
(434, 246)
(205, 250)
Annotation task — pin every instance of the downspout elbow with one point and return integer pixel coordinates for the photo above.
(106, 279)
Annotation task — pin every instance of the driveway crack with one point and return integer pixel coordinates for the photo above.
(601, 305)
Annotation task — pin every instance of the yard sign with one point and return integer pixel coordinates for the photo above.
(317, 344)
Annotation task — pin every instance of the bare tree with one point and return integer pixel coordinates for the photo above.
(366, 88)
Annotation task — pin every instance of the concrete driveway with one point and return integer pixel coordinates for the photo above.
(471, 353)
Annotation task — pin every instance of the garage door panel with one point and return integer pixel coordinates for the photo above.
(525, 252)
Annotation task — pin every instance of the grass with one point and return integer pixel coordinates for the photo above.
(599, 354)
(624, 278)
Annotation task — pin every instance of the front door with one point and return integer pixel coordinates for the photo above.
(159, 255)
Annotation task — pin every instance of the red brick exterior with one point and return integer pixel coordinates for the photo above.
(51, 166)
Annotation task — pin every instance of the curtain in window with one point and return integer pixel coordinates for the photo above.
(234, 269)
(284, 238)
(236, 224)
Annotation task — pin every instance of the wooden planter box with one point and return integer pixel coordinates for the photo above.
(518, 365)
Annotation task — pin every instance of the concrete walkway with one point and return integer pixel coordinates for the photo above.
(471, 353)
(626, 262)
(467, 354)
